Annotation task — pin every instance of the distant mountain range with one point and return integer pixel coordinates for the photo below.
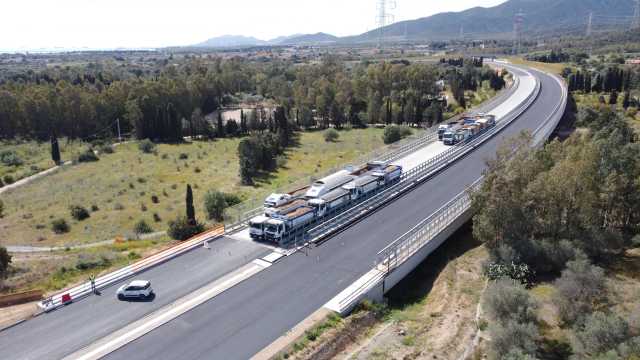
(541, 17)
(245, 41)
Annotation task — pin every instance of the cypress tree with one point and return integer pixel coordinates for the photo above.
(587, 83)
(243, 122)
(613, 98)
(220, 126)
(626, 102)
(55, 149)
(191, 211)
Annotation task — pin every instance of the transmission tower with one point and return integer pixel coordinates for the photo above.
(518, 21)
(384, 17)
(635, 24)
(590, 24)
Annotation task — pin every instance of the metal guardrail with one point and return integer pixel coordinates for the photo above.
(238, 215)
(413, 240)
(413, 177)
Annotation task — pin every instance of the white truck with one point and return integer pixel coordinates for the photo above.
(256, 227)
(278, 228)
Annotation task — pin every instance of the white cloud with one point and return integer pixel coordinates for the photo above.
(29, 24)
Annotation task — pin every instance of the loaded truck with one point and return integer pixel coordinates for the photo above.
(283, 220)
(279, 227)
(444, 127)
(468, 128)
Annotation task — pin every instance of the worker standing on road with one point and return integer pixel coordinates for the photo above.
(92, 279)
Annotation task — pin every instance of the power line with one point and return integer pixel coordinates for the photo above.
(384, 17)
(518, 21)
(636, 15)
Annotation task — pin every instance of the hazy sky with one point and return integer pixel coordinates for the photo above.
(32, 24)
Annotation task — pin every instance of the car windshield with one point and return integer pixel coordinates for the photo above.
(448, 135)
(272, 228)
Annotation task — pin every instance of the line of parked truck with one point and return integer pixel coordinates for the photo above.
(287, 216)
(465, 129)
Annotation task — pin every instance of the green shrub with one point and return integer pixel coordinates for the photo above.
(600, 333)
(78, 212)
(60, 226)
(331, 135)
(232, 199)
(10, 158)
(155, 199)
(581, 288)
(141, 227)
(214, 204)
(146, 146)
(106, 149)
(395, 133)
(88, 156)
(507, 299)
(8, 179)
(183, 156)
(182, 229)
(513, 336)
(156, 217)
(5, 260)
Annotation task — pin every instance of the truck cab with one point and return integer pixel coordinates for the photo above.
(256, 227)
(448, 138)
(442, 129)
(319, 205)
(274, 230)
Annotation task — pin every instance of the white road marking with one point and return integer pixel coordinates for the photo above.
(167, 313)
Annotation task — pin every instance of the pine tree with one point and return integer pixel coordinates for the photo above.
(55, 149)
(191, 211)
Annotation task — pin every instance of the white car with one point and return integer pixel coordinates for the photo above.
(138, 289)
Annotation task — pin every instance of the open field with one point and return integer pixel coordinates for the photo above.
(120, 186)
(50, 271)
(548, 67)
(35, 156)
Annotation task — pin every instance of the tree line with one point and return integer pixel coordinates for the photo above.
(560, 210)
(544, 207)
(609, 80)
(173, 101)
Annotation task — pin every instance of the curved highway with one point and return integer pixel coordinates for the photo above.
(241, 321)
